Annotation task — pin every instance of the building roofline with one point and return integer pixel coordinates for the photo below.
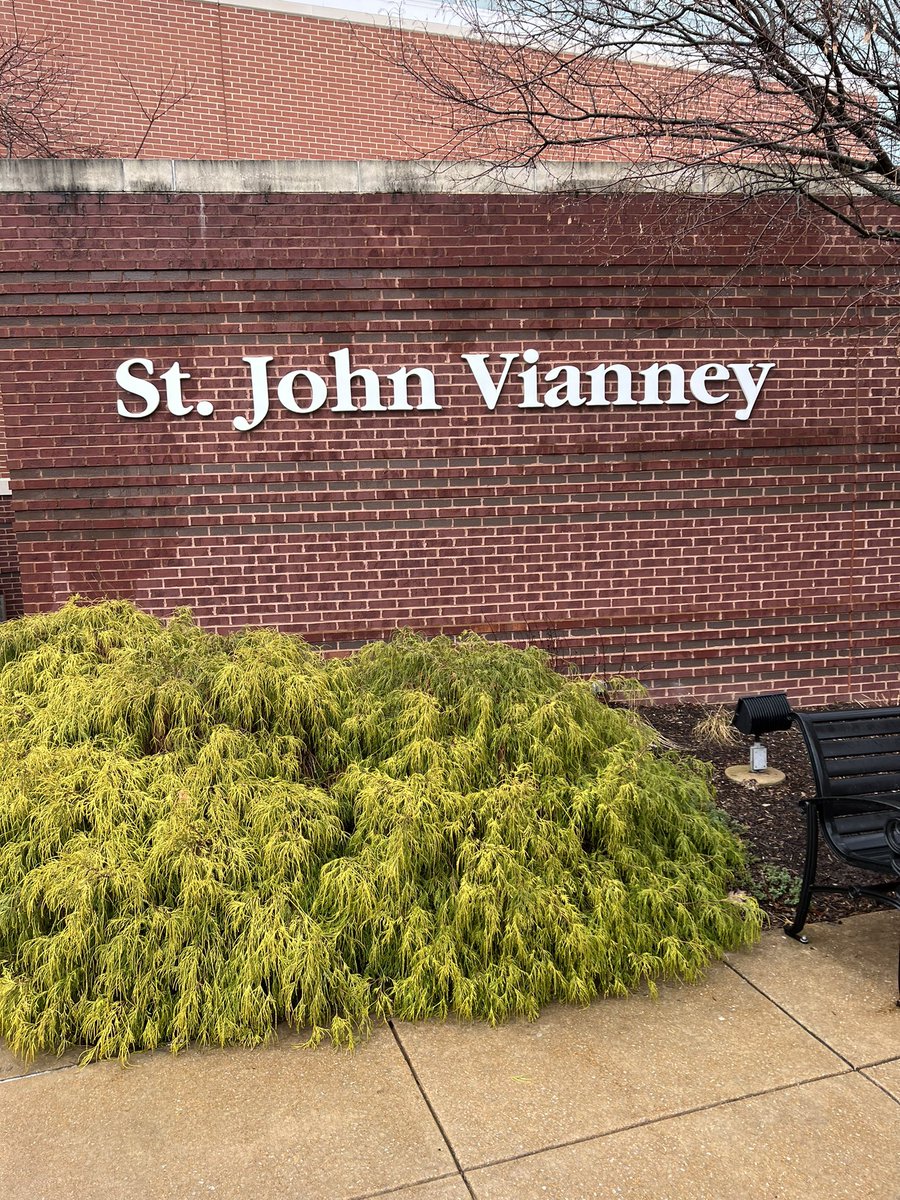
(421, 16)
(435, 18)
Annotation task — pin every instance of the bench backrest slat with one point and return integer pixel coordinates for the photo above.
(866, 764)
(865, 786)
(862, 724)
(854, 753)
(844, 747)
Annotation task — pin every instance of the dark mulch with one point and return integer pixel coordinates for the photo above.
(767, 818)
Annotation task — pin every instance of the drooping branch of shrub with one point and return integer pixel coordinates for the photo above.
(799, 96)
(202, 836)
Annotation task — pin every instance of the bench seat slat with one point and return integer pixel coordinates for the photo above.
(862, 822)
(874, 858)
(864, 845)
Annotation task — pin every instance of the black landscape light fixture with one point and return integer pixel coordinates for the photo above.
(759, 715)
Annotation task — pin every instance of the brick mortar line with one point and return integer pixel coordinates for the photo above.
(226, 311)
(353, 521)
(650, 485)
(313, 464)
(342, 279)
(218, 334)
(445, 295)
(746, 638)
(374, 505)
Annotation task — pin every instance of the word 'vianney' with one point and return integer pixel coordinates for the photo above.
(608, 385)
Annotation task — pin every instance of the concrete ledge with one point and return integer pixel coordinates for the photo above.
(420, 176)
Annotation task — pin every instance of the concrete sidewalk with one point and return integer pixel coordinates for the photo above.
(779, 1076)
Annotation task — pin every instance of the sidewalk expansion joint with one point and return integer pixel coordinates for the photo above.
(37, 1074)
(670, 1116)
(431, 1109)
(812, 1033)
(880, 1086)
(880, 1062)
(399, 1189)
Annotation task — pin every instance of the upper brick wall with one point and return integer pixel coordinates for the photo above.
(262, 85)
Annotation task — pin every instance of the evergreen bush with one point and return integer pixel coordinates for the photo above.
(201, 836)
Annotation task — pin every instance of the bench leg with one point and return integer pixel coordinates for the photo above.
(809, 873)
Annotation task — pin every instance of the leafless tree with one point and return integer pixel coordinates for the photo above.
(795, 96)
(40, 113)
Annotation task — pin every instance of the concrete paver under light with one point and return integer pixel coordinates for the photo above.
(742, 1086)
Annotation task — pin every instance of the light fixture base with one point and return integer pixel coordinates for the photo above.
(767, 778)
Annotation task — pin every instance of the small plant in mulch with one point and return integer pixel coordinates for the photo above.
(774, 885)
(716, 729)
(201, 836)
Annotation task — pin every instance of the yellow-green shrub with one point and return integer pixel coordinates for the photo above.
(201, 836)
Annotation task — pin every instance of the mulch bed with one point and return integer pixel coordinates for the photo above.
(767, 818)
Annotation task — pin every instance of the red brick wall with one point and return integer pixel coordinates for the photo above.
(260, 85)
(708, 555)
(10, 582)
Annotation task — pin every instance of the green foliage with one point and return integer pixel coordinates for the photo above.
(777, 885)
(201, 836)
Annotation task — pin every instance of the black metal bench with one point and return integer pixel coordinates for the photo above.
(855, 759)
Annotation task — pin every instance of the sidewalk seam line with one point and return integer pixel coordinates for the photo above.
(684, 1112)
(404, 1187)
(431, 1109)
(880, 1086)
(790, 1015)
(37, 1074)
(879, 1062)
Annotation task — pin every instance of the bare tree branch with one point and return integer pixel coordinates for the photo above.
(165, 99)
(40, 115)
(799, 96)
